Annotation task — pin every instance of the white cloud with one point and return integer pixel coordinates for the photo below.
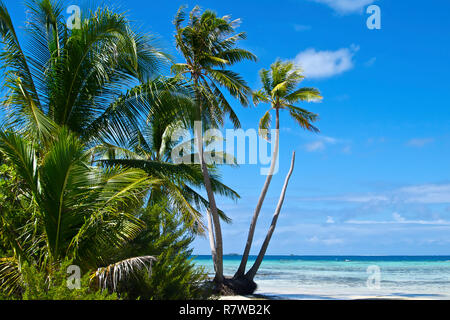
(424, 194)
(427, 193)
(330, 219)
(321, 143)
(315, 146)
(325, 64)
(403, 221)
(330, 140)
(350, 198)
(346, 6)
(419, 142)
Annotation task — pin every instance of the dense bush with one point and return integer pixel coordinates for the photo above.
(14, 207)
(174, 275)
(40, 287)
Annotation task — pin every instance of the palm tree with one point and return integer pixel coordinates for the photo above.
(280, 91)
(151, 150)
(96, 83)
(85, 79)
(98, 80)
(209, 45)
(77, 211)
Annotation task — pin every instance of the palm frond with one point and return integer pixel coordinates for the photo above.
(109, 277)
(234, 83)
(22, 155)
(304, 118)
(10, 277)
(264, 125)
(260, 96)
(236, 55)
(304, 94)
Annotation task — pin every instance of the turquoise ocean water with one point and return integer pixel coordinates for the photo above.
(346, 277)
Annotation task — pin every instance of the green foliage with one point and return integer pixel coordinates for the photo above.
(174, 275)
(78, 211)
(40, 287)
(70, 196)
(151, 150)
(279, 88)
(5, 297)
(76, 77)
(73, 92)
(209, 45)
(14, 207)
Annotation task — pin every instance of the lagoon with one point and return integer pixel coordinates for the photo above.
(346, 277)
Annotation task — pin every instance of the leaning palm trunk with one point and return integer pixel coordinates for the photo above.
(217, 249)
(252, 272)
(241, 270)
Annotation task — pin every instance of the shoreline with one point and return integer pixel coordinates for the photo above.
(346, 278)
(354, 298)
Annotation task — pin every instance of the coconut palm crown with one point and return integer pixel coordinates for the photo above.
(280, 91)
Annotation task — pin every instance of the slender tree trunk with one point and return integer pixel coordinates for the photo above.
(217, 253)
(215, 216)
(241, 270)
(252, 272)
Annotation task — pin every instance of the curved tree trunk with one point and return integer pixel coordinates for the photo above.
(241, 270)
(218, 252)
(252, 272)
(216, 234)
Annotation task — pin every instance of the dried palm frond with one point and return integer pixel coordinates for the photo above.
(110, 276)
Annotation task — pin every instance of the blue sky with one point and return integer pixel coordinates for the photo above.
(376, 180)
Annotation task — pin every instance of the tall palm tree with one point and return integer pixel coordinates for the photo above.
(279, 90)
(208, 44)
(98, 80)
(77, 211)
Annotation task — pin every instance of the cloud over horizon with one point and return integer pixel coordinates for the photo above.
(398, 219)
(423, 193)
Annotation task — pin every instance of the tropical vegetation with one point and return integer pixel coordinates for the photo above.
(87, 175)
